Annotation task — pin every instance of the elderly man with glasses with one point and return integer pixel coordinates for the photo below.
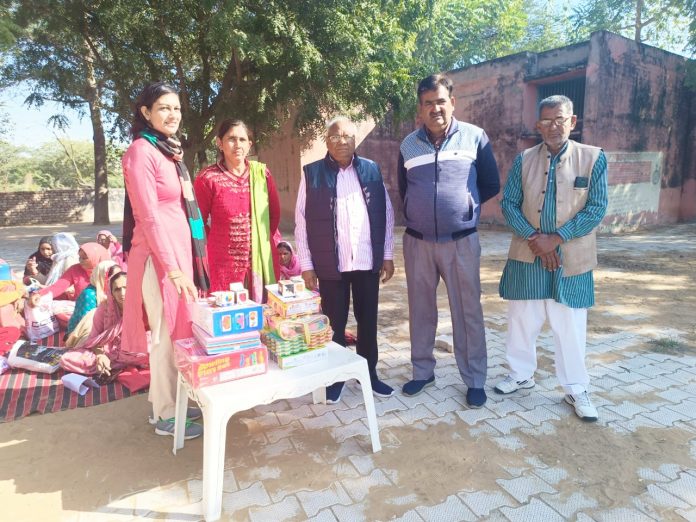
(344, 231)
(554, 198)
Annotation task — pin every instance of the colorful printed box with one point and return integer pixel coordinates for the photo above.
(225, 320)
(200, 369)
(285, 362)
(226, 343)
(306, 302)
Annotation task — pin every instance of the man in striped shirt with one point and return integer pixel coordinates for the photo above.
(344, 230)
(554, 198)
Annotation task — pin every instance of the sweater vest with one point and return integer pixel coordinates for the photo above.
(320, 212)
(578, 255)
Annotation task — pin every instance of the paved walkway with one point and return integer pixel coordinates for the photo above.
(524, 457)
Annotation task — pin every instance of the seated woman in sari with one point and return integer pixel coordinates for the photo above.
(101, 352)
(289, 264)
(109, 241)
(65, 254)
(89, 256)
(80, 323)
(39, 263)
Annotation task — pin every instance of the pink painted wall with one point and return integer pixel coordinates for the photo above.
(635, 101)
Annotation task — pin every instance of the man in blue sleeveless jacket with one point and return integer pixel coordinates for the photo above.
(344, 230)
(446, 171)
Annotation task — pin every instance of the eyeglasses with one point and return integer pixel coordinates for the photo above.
(336, 138)
(558, 122)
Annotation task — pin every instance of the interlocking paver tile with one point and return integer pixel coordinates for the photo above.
(314, 501)
(327, 420)
(276, 406)
(354, 429)
(352, 513)
(421, 398)
(504, 406)
(275, 434)
(472, 417)
(418, 413)
(509, 442)
(538, 415)
(324, 516)
(507, 424)
(627, 409)
(623, 515)
(652, 475)
(286, 509)
(688, 514)
(282, 447)
(443, 407)
(254, 495)
(457, 391)
(535, 511)
(391, 404)
(684, 488)
(675, 395)
(666, 416)
(521, 488)
(410, 516)
(552, 475)
(451, 510)
(532, 400)
(659, 496)
(359, 488)
(287, 416)
(483, 502)
(348, 416)
(670, 470)
(363, 463)
(568, 505)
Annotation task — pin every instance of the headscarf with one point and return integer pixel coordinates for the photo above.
(65, 254)
(43, 263)
(171, 148)
(95, 254)
(110, 337)
(293, 268)
(115, 248)
(99, 279)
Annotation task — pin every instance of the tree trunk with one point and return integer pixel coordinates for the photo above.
(101, 181)
(639, 21)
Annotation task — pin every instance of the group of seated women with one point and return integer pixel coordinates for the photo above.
(92, 278)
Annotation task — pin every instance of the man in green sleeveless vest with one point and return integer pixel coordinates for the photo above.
(554, 198)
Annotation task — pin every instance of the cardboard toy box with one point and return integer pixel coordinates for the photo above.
(225, 320)
(226, 343)
(306, 302)
(285, 362)
(200, 369)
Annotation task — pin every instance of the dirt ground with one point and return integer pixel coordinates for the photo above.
(55, 466)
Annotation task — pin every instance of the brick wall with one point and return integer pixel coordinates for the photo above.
(55, 206)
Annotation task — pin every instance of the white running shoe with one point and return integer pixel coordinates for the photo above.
(583, 406)
(509, 385)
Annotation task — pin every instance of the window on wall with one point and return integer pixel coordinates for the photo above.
(573, 89)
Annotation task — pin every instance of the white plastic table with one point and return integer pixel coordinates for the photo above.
(219, 402)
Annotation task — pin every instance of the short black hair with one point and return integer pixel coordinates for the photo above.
(433, 82)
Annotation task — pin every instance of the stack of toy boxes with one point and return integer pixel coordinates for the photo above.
(226, 343)
(295, 332)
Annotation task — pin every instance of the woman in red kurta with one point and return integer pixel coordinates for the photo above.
(167, 231)
(225, 192)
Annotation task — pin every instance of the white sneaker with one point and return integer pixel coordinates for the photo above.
(583, 406)
(509, 385)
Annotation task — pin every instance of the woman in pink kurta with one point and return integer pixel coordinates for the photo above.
(224, 192)
(160, 261)
(101, 352)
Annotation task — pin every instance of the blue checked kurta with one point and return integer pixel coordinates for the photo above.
(526, 281)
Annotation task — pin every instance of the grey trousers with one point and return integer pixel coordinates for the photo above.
(458, 263)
